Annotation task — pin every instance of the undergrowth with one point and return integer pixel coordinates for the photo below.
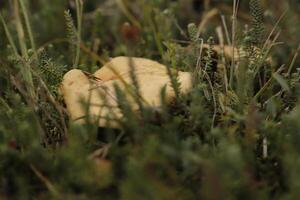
(235, 135)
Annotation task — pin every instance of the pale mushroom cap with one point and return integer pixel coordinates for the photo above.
(75, 77)
(100, 93)
(121, 66)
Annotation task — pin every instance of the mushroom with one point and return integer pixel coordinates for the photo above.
(98, 90)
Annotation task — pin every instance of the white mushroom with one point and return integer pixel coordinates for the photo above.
(98, 91)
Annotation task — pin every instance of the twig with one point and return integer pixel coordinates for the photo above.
(45, 180)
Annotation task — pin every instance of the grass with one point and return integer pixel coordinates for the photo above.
(235, 135)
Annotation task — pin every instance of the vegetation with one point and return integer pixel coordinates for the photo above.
(236, 135)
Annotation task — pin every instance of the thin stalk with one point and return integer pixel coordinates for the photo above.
(266, 52)
(234, 23)
(214, 99)
(20, 30)
(226, 29)
(221, 39)
(267, 85)
(198, 65)
(28, 26)
(9, 37)
(25, 69)
(273, 30)
(79, 10)
(293, 61)
(157, 38)
(205, 19)
(51, 188)
(156, 35)
(127, 13)
(5, 105)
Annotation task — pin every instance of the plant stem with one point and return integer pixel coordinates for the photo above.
(234, 21)
(28, 26)
(79, 10)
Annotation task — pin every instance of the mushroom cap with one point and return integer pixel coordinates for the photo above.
(98, 91)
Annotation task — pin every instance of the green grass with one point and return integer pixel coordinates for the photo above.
(235, 135)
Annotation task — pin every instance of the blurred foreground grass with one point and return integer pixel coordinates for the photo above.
(236, 135)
